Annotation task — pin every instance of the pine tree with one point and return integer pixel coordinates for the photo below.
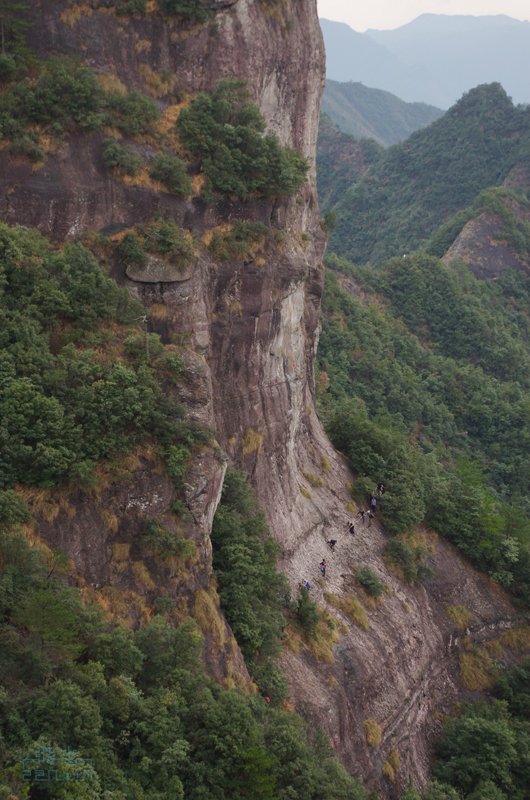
(13, 25)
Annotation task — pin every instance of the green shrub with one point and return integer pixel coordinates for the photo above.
(133, 113)
(131, 7)
(165, 542)
(27, 146)
(131, 251)
(165, 238)
(370, 582)
(65, 93)
(307, 614)
(191, 9)
(8, 67)
(121, 158)
(236, 242)
(171, 171)
(244, 558)
(226, 132)
(410, 559)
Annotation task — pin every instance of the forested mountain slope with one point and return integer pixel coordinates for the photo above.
(374, 114)
(421, 183)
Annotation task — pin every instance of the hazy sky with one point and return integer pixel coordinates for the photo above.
(387, 14)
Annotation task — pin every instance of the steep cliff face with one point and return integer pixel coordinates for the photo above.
(251, 329)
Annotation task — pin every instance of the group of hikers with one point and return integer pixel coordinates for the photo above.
(370, 513)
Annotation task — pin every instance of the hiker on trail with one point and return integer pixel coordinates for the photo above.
(351, 527)
(380, 488)
(373, 503)
(304, 585)
(370, 518)
(361, 514)
(332, 543)
(323, 566)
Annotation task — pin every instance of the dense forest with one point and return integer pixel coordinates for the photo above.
(423, 382)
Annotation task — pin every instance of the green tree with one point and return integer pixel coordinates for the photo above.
(13, 25)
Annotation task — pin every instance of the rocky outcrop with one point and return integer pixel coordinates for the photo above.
(481, 247)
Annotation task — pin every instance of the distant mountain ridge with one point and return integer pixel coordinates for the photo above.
(435, 58)
(374, 113)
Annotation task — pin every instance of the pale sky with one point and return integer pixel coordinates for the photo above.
(388, 14)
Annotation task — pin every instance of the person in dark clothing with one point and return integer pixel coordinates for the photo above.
(351, 527)
(332, 543)
(370, 518)
(361, 514)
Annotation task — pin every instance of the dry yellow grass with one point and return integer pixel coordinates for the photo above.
(460, 616)
(368, 600)
(46, 503)
(236, 307)
(373, 732)
(158, 312)
(109, 519)
(251, 442)
(141, 573)
(291, 639)
(142, 46)
(313, 480)
(144, 612)
(477, 672)
(112, 84)
(71, 15)
(157, 84)
(332, 682)
(113, 602)
(351, 507)
(517, 639)
(351, 606)
(206, 239)
(142, 180)
(207, 616)
(305, 493)
(394, 760)
(332, 599)
(324, 464)
(388, 772)
(495, 648)
(120, 552)
(321, 642)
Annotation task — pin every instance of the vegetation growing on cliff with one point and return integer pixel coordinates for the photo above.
(427, 391)
(69, 396)
(226, 132)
